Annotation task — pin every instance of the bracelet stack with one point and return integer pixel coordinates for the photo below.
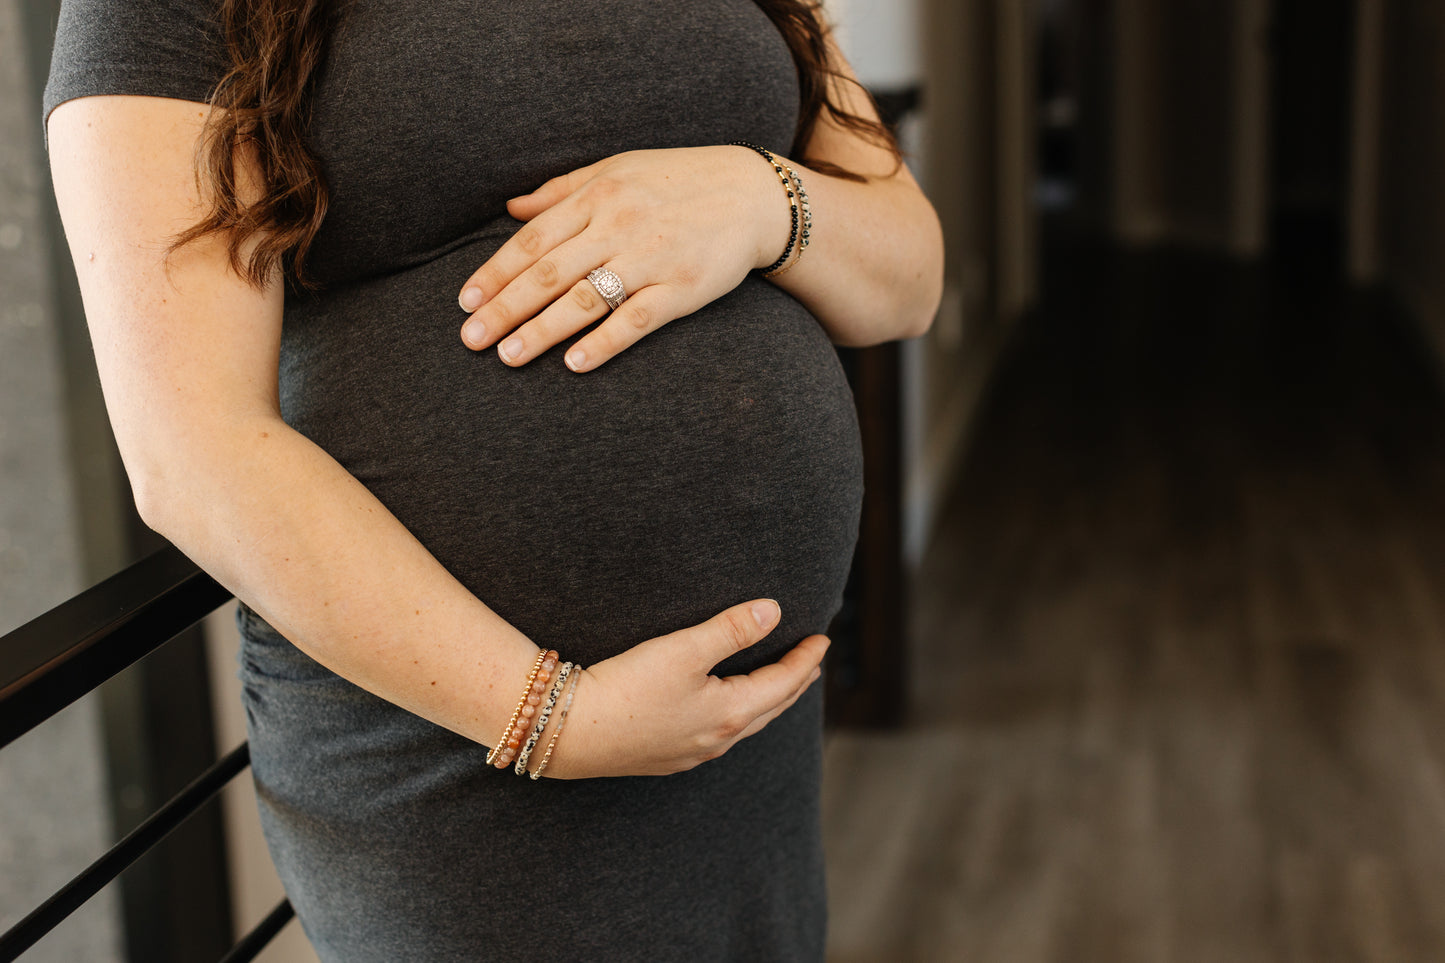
(801, 210)
(543, 717)
(545, 685)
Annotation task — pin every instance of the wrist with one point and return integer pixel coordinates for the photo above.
(766, 200)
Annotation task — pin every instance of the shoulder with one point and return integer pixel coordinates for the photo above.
(162, 48)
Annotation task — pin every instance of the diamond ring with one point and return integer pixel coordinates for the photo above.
(609, 286)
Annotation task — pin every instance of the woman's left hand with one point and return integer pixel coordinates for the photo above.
(679, 227)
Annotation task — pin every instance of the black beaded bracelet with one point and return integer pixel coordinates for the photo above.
(792, 203)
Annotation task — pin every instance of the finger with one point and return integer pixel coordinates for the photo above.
(640, 315)
(765, 687)
(761, 722)
(523, 249)
(577, 309)
(536, 287)
(528, 206)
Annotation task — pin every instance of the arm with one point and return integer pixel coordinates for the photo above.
(683, 227)
(187, 354)
(874, 269)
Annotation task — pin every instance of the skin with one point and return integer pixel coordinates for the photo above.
(188, 353)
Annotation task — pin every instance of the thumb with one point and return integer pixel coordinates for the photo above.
(734, 629)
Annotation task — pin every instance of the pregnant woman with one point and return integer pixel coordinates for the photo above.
(450, 334)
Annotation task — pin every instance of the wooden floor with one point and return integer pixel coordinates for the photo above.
(1179, 649)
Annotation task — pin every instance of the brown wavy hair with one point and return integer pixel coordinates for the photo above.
(276, 50)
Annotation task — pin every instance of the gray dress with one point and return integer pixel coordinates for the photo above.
(714, 462)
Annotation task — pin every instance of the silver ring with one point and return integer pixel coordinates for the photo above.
(609, 286)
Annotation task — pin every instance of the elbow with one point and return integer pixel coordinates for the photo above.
(905, 305)
(187, 478)
(921, 320)
(895, 297)
(184, 467)
(153, 499)
(927, 288)
(918, 330)
(163, 476)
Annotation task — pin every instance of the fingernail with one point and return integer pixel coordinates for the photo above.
(510, 348)
(470, 299)
(474, 333)
(764, 612)
(577, 359)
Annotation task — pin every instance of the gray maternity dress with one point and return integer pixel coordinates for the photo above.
(716, 461)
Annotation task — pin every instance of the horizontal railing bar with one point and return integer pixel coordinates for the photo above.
(73, 894)
(53, 660)
(255, 941)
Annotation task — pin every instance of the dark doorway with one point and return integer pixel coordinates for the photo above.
(1312, 59)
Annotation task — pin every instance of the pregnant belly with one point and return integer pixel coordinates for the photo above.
(715, 461)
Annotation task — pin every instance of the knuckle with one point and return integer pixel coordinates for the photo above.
(499, 313)
(545, 271)
(686, 277)
(639, 317)
(733, 725)
(605, 186)
(529, 239)
(490, 279)
(628, 215)
(714, 747)
(585, 296)
(736, 632)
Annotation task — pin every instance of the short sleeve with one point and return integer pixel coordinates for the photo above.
(159, 48)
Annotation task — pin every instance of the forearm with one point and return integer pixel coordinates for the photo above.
(873, 270)
(281, 524)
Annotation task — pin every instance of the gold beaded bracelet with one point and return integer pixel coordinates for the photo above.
(537, 684)
(533, 699)
(501, 745)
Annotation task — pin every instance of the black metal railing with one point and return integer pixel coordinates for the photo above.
(50, 662)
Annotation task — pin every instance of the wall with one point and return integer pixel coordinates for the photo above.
(53, 818)
(1176, 140)
(1197, 66)
(948, 369)
(973, 151)
(1412, 181)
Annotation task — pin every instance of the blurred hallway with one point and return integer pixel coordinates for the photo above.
(1179, 645)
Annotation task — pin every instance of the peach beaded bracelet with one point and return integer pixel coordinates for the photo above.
(502, 742)
(523, 716)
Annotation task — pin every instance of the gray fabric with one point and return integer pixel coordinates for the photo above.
(714, 462)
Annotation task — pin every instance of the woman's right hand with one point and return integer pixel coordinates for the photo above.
(655, 709)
